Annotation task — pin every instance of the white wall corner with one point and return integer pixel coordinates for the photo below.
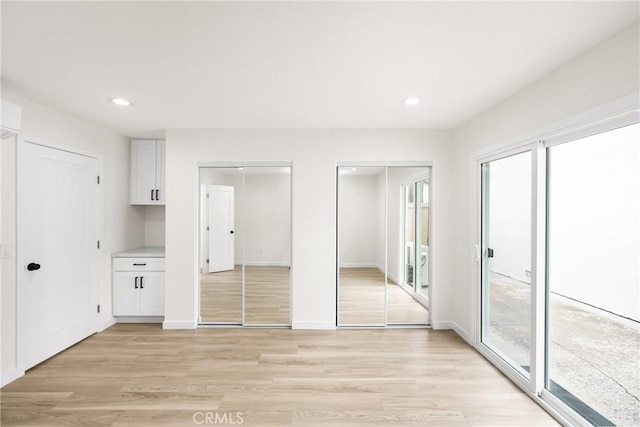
(325, 326)
(107, 324)
(10, 376)
(451, 325)
(179, 324)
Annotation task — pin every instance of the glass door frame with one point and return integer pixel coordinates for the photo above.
(538, 235)
(243, 165)
(417, 231)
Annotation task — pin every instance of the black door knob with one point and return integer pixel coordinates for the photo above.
(231, 231)
(33, 266)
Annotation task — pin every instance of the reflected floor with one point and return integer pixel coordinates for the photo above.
(267, 296)
(361, 300)
(593, 354)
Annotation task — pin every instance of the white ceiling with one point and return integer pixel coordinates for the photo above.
(291, 64)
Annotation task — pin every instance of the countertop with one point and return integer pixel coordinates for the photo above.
(142, 252)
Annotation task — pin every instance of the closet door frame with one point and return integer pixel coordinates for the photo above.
(385, 164)
(236, 165)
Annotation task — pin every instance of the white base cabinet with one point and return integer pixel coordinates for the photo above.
(138, 286)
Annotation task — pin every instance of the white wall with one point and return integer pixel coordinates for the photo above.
(604, 73)
(8, 238)
(314, 154)
(262, 218)
(358, 197)
(153, 225)
(123, 224)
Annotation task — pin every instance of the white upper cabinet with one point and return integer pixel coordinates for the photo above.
(147, 172)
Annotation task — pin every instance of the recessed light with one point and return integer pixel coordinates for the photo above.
(414, 100)
(121, 101)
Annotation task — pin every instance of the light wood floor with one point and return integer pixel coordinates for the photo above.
(141, 375)
(267, 296)
(362, 300)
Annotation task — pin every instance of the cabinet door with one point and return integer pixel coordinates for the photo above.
(160, 175)
(143, 173)
(126, 297)
(152, 294)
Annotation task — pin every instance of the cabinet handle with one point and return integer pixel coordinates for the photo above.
(157, 194)
(136, 287)
(141, 277)
(140, 263)
(151, 194)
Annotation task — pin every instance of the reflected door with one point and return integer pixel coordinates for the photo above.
(506, 259)
(221, 281)
(221, 228)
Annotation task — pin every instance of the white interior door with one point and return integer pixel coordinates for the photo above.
(221, 228)
(58, 281)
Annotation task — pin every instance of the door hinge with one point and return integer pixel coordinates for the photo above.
(207, 228)
(207, 195)
(207, 260)
(98, 179)
(98, 244)
(98, 308)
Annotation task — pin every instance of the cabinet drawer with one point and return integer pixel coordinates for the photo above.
(138, 264)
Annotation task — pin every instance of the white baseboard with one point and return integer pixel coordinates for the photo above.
(325, 326)
(451, 325)
(107, 324)
(139, 319)
(357, 265)
(266, 264)
(184, 324)
(393, 278)
(10, 376)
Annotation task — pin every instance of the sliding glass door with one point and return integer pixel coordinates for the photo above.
(416, 236)
(559, 269)
(506, 259)
(593, 269)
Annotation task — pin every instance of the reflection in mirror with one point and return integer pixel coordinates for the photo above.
(407, 302)
(361, 242)
(220, 232)
(267, 245)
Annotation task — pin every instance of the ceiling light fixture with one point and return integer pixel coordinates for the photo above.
(414, 100)
(121, 101)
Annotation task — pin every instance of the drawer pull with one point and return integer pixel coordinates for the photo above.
(140, 264)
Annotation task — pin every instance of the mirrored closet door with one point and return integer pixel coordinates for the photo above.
(361, 246)
(378, 225)
(245, 245)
